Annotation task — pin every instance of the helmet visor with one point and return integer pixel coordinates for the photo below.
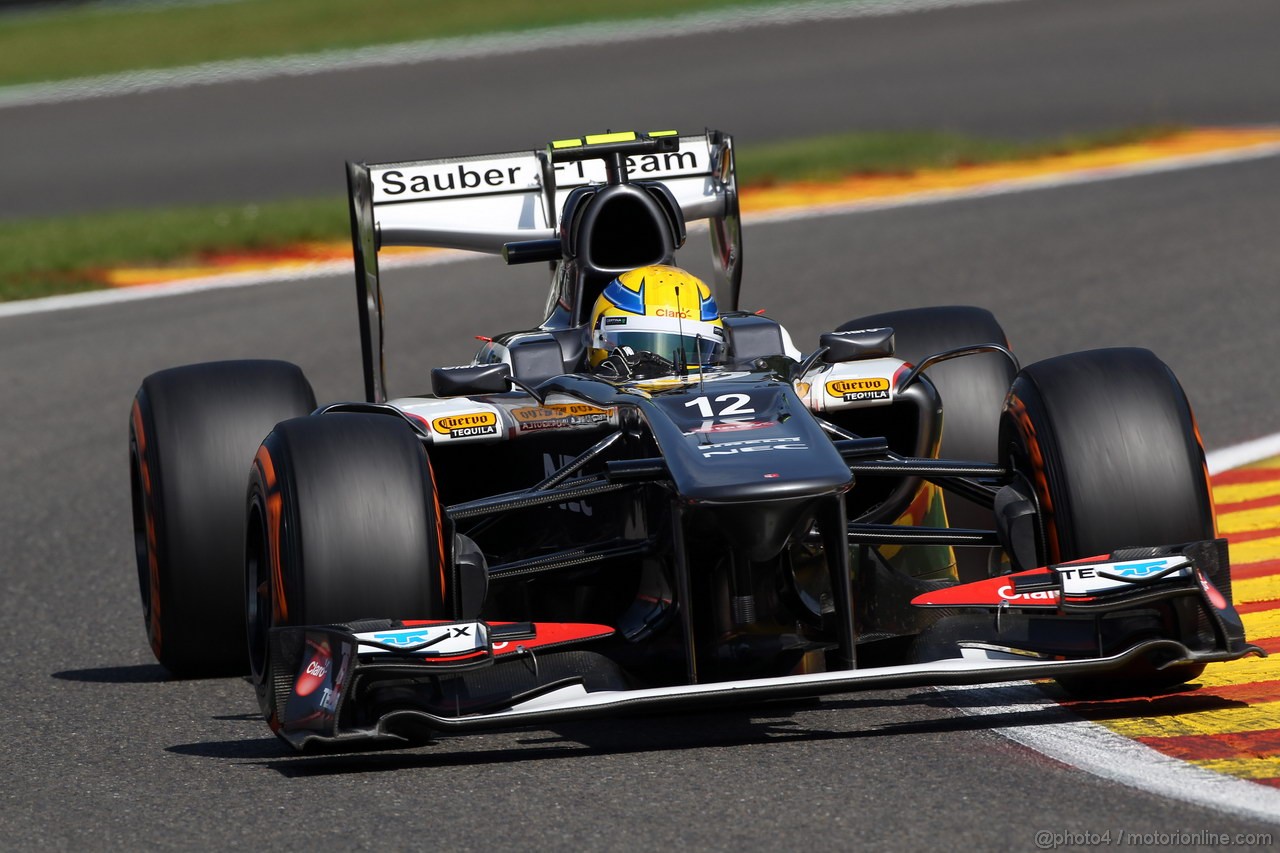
(695, 348)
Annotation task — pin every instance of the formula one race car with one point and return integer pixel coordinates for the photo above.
(650, 502)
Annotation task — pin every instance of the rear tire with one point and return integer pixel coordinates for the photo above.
(192, 434)
(343, 525)
(1108, 442)
(973, 389)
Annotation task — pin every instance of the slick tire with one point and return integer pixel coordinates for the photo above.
(1107, 441)
(343, 525)
(193, 431)
(972, 388)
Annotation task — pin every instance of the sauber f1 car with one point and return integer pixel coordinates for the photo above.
(653, 502)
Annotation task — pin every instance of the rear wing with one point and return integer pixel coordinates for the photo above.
(483, 203)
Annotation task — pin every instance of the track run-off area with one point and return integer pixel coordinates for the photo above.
(1228, 720)
(1230, 723)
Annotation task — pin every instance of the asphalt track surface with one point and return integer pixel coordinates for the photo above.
(1024, 69)
(101, 750)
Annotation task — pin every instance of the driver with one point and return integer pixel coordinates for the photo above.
(655, 320)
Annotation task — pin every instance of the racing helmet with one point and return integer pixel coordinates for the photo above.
(658, 309)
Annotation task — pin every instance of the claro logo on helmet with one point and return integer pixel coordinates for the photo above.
(467, 426)
(850, 390)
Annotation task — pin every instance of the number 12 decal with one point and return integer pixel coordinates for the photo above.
(736, 405)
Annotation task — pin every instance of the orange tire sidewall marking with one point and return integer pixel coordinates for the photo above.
(274, 505)
(154, 631)
(1039, 480)
(440, 552)
(275, 516)
(1204, 465)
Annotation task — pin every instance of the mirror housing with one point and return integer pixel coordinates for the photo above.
(472, 379)
(857, 344)
(531, 251)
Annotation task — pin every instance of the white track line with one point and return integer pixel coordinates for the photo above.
(694, 24)
(1098, 750)
(1243, 454)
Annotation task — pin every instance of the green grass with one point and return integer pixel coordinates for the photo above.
(49, 256)
(81, 41)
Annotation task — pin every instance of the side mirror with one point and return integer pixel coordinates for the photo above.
(856, 344)
(532, 251)
(473, 379)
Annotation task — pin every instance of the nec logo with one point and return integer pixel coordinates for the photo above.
(421, 635)
(757, 445)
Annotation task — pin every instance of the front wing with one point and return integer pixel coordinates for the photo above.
(321, 701)
(570, 700)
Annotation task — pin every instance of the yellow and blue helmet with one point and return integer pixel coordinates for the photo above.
(658, 309)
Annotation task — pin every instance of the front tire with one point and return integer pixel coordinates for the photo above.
(343, 524)
(192, 434)
(1107, 441)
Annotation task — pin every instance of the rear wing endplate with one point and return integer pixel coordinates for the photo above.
(482, 203)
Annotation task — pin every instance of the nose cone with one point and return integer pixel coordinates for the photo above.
(745, 443)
